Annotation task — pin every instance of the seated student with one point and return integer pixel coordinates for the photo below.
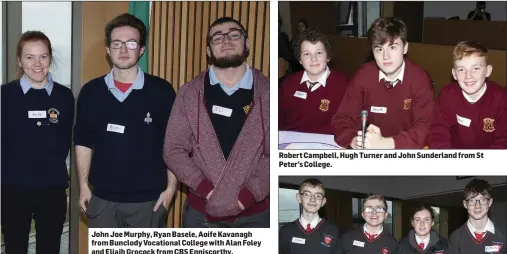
(370, 238)
(479, 234)
(472, 112)
(395, 91)
(422, 239)
(308, 99)
(309, 233)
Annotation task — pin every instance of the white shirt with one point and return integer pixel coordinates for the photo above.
(378, 233)
(313, 223)
(322, 80)
(481, 93)
(489, 227)
(382, 75)
(425, 241)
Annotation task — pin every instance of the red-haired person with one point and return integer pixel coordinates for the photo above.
(396, 92)
(37, 117)
(471, 113)
(308, 99)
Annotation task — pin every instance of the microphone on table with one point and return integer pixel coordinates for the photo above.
(364, 116)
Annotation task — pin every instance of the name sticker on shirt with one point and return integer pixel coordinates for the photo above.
(301, 95)
(298, 240)
(463, 121)
(115, 128)
(492, 249)
(379, 110)
(221, 111)
(358, 243)
(37, 114)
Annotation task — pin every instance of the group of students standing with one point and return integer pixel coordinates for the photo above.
(312, 234)
(134, 139)
(397, 94)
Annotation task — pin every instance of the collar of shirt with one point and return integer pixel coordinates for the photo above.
(378, 233)
(138, 83)
(25, 84)
(322, 79)
(400, 76)
(481, 93)
(425, 241)
(489, 227)
(313, 223)
(246, 81)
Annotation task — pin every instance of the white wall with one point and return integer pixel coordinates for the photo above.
(461, 9)
(284, 10)
(498, 212)
(395, 186)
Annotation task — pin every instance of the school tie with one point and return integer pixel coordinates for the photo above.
(370, 237)
(421, 245)
(312, 84)
(308, 228)
(390, 84)
(479, 236)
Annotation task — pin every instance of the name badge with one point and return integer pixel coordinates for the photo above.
(379, 110)
(115, 128)
(492, 249)
(301, 95)
(298, 240)
(358, 243)
(463, 121)
(37, 114)
(221, 111)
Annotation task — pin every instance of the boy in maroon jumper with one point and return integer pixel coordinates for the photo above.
(395, 91)
(470, 113)
(308, 99)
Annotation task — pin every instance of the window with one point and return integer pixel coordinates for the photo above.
(358, 221)
(436, 226)
(288, 207)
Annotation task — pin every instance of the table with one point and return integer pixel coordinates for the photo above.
(300, 140)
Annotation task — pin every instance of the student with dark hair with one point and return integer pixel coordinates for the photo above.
(37, 116)
(119, 133)
(310, 233)
(395, 91)
(308, 99)
(422, 239)
(479, 234)
(470, 113)
(217, 139)
(479, 13)
(370, 238)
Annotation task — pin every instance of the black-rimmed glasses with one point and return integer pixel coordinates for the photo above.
(482, 201)
(233, 35)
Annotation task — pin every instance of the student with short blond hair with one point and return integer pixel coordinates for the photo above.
(470, 112)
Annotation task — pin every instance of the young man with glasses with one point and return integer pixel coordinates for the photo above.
(371, 237)
(119, 133)
(309, 233)
(479, 234)
(217, 140)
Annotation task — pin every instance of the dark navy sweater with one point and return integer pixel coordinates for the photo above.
(34, 150)
(128, 166)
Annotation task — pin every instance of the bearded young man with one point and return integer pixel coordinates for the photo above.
(217, 140)
(395, 91)
(119, 133)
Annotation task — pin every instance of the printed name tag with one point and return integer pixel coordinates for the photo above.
(358, 243)
(298, 240)
(301, 95)
(37, 114)
(116, 128)
(492, 248)
(380, 110)
(463, 121)
(221, 111)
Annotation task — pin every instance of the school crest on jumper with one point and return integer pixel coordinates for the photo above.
(385, 251)
(407, 104)
(499, 244)
(324, 105)
(327, 239)
(53, 115)
(489, 124)
(247, 108)
(148, 118)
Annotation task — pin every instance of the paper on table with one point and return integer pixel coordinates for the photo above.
(300, 140)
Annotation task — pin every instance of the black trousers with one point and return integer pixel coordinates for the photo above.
(47, 207)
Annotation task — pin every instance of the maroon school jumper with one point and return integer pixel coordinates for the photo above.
(486, 119)
(313, 114)
(408, 106)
